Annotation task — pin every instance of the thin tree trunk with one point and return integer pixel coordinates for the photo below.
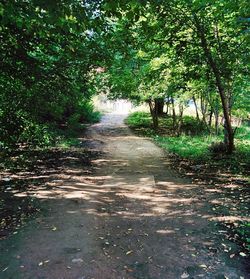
(224, 100)
(203, 110)
(154, 115)
(216, 116)
(180, 120)
(173, 113)
(210, 118)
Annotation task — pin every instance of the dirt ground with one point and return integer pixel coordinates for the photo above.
(131, 216)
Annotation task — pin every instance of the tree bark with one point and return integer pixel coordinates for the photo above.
(196, 108)
(154, 114)
(210, 118)
(159, 104)
(181, 110)
(203, 109)
(218, 81)
(173, 113)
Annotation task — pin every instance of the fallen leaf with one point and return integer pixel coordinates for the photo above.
(129, 252)
(243, 254)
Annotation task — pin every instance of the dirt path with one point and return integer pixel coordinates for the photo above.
(132, 218)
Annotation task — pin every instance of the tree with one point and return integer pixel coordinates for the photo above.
(47, 49)
(208, 38)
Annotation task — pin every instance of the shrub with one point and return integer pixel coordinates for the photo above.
(35, 134)
(192, 126)
(139, 119)
(87, 113)
(17, 128)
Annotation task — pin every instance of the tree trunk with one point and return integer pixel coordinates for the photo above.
(173, 113)
(203, 110)
(154, 114)
(159, 104)
(218, 81)
(181, 110)
(216, 116)
(210, 118)
(196, 108)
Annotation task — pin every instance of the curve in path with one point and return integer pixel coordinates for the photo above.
(133, 217)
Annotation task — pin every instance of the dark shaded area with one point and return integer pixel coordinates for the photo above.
(231, 192)
(23, 171)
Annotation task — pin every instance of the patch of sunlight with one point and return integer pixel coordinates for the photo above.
(165, 231)
(230, 218)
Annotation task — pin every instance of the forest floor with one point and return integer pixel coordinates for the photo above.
(113, 208)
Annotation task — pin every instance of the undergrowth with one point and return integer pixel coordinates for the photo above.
(194, 141)
(194, 146)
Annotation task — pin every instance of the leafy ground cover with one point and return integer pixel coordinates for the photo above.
(227, 176)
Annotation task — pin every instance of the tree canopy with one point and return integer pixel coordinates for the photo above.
(152, 51)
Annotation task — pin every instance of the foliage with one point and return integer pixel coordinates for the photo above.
(188, 126)
(139, 119)
(46, 53)
(55, 55)
(182, 50)
(197, 146)
(193, 148)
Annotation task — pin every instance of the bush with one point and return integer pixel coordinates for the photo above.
(87, 113)
(139, 119)
(17, 128)
(243, 133)
(192, 126)
(37, 135)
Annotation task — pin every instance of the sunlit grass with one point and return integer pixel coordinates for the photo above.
(195, 147)
(187, 146)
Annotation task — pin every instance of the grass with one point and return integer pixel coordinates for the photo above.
(194, 148)
(194, 142)
(193, 145)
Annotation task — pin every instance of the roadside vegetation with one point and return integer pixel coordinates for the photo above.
(194, 141)
(57, 55)
(197, 152)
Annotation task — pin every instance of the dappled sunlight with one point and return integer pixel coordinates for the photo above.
(157, 197)
(165, 231)
(136, 207)
(230, 219)
(214, 190)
